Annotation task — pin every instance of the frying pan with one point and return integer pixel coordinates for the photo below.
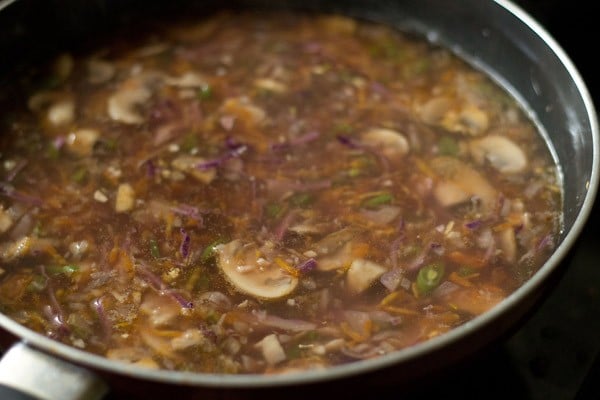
(496, 36)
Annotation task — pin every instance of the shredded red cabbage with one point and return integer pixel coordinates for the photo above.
(10, 192)
(235, 149)
(184, 247)
(303, 139)
(474, 225)
(104, 322)
(157, 284)
(307, 265)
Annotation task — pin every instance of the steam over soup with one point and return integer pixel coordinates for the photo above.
(258, 193)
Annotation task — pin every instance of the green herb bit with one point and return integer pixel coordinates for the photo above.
(429, 277)
(342, 127)
(212, 318)
(301, 199)
(209, 251)
(37, 284)
(294, 352)
(355, 172)
(466, 271)
(189, 142)
(53, 152)
(448, 146)
(67, 270)
(203, 282)
(274, 210)
(378, 200)
(38, 230)
(109, 144)
(205, 92)
(79, 175)
(154, 250)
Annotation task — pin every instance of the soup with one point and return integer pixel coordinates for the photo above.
(266, 193)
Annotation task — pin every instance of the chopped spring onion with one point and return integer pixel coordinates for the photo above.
(429, 277)
(154, 250)
(209, 251)
(205, 92)
(448, 146)
(301, 199)
(274, 210)
(67, 270)
(377, 200)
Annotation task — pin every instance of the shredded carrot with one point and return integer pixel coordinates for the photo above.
(466, 259)
(503, 226)
(414, 290)
(461, 280)
(114, 254)
(169, 219)
(286, 267)
(425, 168)
(388, 299)
(400, 310)
(167, 333)
(351, 333)
(360, 250)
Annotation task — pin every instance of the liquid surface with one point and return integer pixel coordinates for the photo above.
(265, 194)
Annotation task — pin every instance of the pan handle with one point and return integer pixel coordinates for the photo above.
(29, 374)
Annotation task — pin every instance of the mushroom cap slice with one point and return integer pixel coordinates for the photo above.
(458, 181)
(391, 143)
(248, 273)
(501, 152)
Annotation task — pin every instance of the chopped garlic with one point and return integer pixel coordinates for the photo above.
(125, 198)
(100, 197)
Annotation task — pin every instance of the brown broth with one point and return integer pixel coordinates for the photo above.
(257, 193)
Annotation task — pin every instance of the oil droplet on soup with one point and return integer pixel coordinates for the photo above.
(266, 193)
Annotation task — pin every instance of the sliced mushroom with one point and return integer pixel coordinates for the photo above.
(244, 110)
(82, 141)
(270, 85)
(6, 221)
(189, 165)
(251, 274)
(61, 112)
(459, 182)
(469, 120)
(122, 104)
(335, 250)
(507, 242)
(391, 143)
(192, 338)
(434, 110)
(59, 108)
(100, 71)
(361, 275)
(22, 247)
(474, 301)
(381, 216)
(188, 80)
(161, 310)
(459, 118)
(502, 153)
